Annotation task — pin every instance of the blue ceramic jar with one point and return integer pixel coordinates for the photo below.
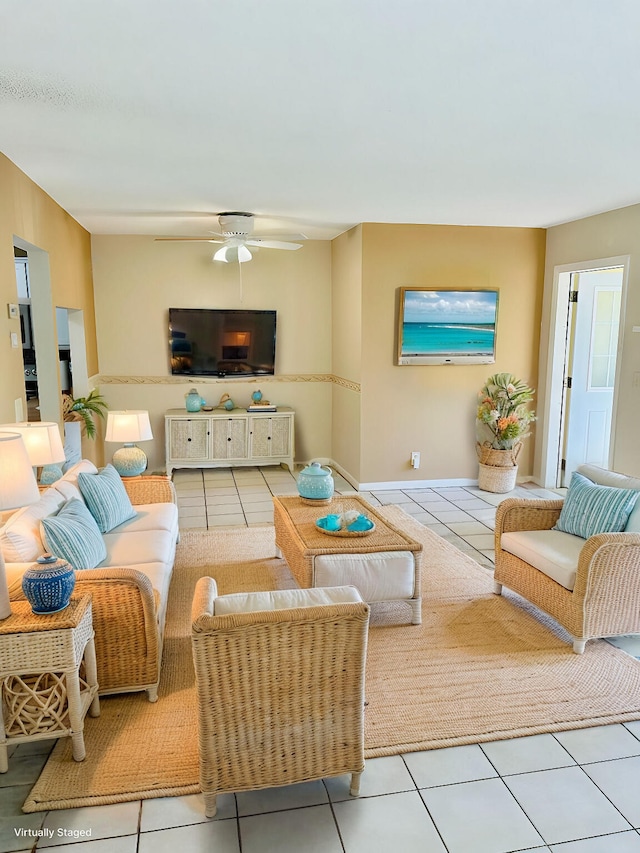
(193, 401)
(48, 584)
(315, 482)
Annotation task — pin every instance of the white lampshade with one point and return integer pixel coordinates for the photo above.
(233, 253)
(128, 426)
(42, 440)
(18, 488)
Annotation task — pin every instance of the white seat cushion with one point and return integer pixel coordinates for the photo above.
(130, 549)
(381, 576)
(160, 516)
(550, 551)
(283, 599)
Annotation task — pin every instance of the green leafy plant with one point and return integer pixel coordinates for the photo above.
(503, 418)
(84, 409)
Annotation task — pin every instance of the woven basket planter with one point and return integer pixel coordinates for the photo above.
(492, 478)
(488, 455)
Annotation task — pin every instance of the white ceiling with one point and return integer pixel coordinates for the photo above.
(149, 116)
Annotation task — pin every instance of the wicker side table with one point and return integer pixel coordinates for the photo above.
(43, 690)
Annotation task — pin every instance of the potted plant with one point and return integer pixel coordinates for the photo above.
(502, 421)
(79, 414)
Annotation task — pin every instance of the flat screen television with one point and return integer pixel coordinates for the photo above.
(221, 342)
(447, 326)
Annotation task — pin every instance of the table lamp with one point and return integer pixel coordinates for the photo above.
(18, 488)
(44, 446)
(128, 427)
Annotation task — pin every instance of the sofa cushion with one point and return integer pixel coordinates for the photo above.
(107, 499)
(20, 538)
(550, 551)
(590, 508)
(620, 481)
(68, 490)
(137, 547)
(73, 535)
(160, 516)
(281, 599)
(82, 467)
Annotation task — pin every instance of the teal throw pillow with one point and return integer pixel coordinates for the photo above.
(73, 535)
(105, 495)
(590, 508)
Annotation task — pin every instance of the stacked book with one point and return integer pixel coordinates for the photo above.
(262, 406)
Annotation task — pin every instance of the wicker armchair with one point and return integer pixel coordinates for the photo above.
(280, 689)
(605, 600)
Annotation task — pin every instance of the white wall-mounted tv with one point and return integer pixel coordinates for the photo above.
(447, 326)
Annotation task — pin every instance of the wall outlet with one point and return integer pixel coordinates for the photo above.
(14, 340)
(17, 405)
(415, 459)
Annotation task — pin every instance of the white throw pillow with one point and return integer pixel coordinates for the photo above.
(20, 538)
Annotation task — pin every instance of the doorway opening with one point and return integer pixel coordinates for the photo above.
(583, 367)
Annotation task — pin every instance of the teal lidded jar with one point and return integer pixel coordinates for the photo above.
(315, 482)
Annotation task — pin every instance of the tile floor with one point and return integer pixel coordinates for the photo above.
(570, 792)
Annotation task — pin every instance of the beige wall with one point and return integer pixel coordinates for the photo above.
(28, 213)
(137, 280)
(599, 237)
(346, 328)
(432, 408)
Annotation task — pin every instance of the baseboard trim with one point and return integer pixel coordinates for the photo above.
(416, 484)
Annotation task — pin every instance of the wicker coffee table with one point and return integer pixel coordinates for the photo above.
(383, 565)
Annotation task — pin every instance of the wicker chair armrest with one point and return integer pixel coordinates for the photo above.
(517, 514)
(202, 605)
(150, 490)
(609, 561)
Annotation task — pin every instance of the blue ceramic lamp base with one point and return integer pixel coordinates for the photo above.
(130, 461)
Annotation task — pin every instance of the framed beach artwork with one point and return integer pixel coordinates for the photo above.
(447, 326)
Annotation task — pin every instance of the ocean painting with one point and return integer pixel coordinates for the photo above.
(447, 324)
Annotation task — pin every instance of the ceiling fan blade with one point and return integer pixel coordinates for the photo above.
(265, 235)
(186, 240)
(274, 244)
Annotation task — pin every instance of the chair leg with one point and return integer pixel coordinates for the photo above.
(497, 588)
(354, 790)
(416, 611)
(152, 693)
(210, 805)
(578, 646)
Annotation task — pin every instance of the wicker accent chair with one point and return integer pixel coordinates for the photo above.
(280, 687)
(605, 599)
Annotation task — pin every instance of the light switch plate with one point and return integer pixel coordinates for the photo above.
(14, 340)
(14, 311)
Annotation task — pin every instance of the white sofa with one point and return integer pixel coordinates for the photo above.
(130, 586)
(590, 586)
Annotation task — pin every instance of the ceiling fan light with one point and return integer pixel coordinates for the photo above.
(228, 254)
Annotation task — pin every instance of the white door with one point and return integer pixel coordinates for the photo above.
(591, 369)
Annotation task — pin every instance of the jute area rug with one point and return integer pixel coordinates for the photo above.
(481, 667)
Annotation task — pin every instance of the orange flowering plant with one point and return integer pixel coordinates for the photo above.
(503, 418)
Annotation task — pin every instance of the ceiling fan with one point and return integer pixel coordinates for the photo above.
(236, 231)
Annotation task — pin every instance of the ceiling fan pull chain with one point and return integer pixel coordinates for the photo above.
(240, 274)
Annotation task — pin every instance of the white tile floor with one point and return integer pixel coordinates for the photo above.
(570, 792)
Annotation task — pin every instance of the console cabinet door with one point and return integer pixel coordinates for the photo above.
(229, 438)
(270, 437)
(189, 439)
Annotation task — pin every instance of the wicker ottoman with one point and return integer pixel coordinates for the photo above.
(384, 565)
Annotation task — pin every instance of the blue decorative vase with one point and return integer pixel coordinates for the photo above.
(48, 584)
(315, 482)
(229, 405)
(193, 401)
